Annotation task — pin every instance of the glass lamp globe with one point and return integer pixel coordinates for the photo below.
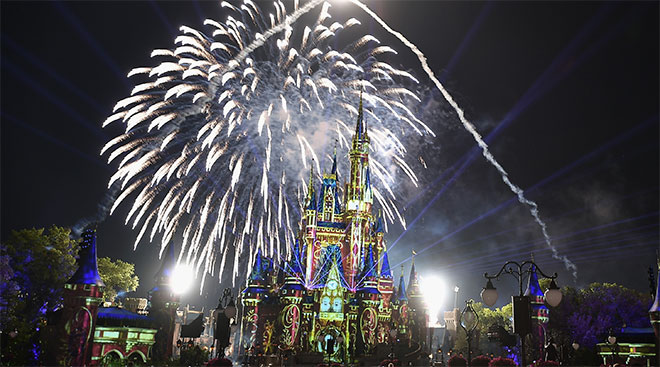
(489, 294)
(576, 346)
(553, 294)
(611, 339)
(230, 310)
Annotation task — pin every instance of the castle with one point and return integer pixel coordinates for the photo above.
(84, 333)
(335, 296)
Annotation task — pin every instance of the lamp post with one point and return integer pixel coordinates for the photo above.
(521, 323)
(224, 318)
(611, 340)
(575, 346)
(469, 321)
(456, 297)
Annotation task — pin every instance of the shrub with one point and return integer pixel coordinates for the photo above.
(546, 363)
(480, 361)
(457, 361)
(501, 361)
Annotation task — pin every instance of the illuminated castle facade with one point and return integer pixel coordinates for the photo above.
(338, 284)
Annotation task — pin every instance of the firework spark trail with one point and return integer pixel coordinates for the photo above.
(208, 131)
(533, 207)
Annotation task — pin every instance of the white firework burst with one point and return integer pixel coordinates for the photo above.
(216, 146)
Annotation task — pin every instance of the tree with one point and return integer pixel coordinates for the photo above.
(36, 263)
(34, 266)
(487, 318)
(118, 276)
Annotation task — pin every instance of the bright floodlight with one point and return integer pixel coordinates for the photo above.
(433, 289)
(182, 278)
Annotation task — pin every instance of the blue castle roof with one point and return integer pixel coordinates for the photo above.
(533, 287)
(312, 201)
(114, 316)
(295, 262)
(379, 224)
(332, 255)
(385, 271)
(88, 272)
(401, 295)
(260, 268)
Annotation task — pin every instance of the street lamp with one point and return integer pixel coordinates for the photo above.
(520, 303)
(611, 340)
(224, 316)
(469, 321)
(456, 297)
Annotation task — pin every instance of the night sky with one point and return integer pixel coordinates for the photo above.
(569, 92)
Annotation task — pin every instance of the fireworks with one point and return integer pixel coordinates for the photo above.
(219, 134)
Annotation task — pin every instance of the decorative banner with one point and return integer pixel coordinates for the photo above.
(291, 323)
(79, 329)
(368, 323)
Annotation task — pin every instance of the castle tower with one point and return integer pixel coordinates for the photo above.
(83, 294)
(252, 323)
(358, 198)
(400, 314)
(329, 209)
(163, 303)
(540, 313)
(290, 297)
(416, 306)
(385, 281)
(310, 228)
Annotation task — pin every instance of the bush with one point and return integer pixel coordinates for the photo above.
(457, 361)
(480, 361)
(546, 363)
(501, 361)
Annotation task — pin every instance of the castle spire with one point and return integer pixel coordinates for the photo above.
(385, 271)
(311, 195)
(401, 295)
(535, 294)
(379, 222)
(358, 126)
(88, 272)
(413, 282)
(334, 161)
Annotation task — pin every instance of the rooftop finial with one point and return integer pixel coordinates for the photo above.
(334, 160)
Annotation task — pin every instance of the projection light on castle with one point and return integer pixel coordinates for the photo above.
(434, 289)
(181, 279)
(336, 295)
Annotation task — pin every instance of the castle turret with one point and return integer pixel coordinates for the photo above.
(414, 293)
(401, 306)
(329, 197)
(385, 281)
(83, 294)
(358, 197)
(418, 316)
(540, 313)
(310, 227)
(252, 297)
